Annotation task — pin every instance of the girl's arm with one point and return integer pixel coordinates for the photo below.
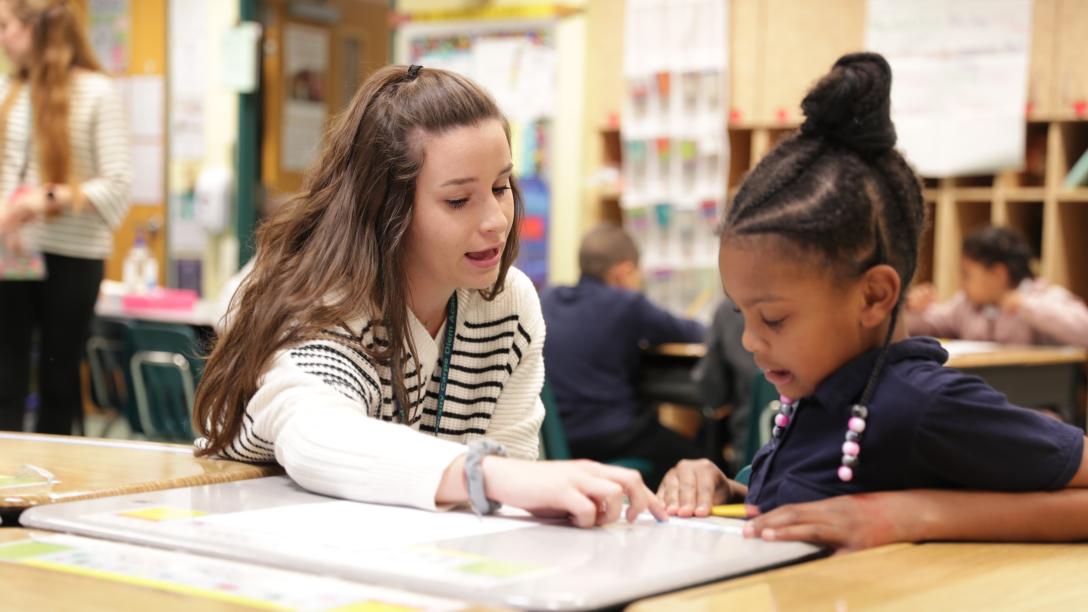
(326, 442)
(860, 521)
(943, 320)
(108, 191)
(586, 492)
(1056, 313)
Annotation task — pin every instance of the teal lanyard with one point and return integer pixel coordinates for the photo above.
(447, 356)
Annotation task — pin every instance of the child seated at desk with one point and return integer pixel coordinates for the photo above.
(383, 348)
(1001, 300)
(596, 332)
(815, 251)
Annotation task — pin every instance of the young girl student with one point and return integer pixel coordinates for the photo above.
(1001, 300)
(816, 249)
(383, 349)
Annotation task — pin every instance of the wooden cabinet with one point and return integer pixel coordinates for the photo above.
(778, 48)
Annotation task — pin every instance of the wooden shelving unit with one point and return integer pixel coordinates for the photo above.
(778, 48)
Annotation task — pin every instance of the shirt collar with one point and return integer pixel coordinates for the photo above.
(586, 279)
(845, 385)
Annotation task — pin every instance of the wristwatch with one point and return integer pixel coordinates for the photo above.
(474, 475)
(52, 207)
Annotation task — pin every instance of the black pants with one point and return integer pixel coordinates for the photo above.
(646, 439)
(60, 308)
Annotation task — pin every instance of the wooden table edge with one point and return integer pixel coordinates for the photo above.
(658, 602)
(243, 471)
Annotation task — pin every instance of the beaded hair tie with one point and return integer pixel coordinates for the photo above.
(859, 413)
(851, 448)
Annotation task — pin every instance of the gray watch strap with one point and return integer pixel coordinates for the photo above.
(474, 474)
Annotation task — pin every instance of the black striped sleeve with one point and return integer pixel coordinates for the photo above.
(333, 365)
(446, 431)
(486, 324)
(453, 382)
(463, 401)
(500, 367)
(481, 355)
(483, 339)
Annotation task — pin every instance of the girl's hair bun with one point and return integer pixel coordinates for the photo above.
(851, 105)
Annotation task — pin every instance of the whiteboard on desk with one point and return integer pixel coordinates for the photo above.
(510, 559)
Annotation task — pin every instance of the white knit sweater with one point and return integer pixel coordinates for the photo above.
(100, 163)
(324, 409)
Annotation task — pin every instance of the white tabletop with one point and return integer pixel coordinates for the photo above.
(202, 314)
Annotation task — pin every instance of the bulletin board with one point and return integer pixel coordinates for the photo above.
(516, 62)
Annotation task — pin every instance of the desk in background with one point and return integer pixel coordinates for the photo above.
(906, 577)
(202, 316)
(87, 468)
(665, 374)
(1034, 376)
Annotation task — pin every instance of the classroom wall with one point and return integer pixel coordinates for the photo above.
(778, 48)
(220, 134)
(367, 20)
(147, 57)
(573, 46)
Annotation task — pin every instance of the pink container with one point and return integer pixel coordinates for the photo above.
(161, 299)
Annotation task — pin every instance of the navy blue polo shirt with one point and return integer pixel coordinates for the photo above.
(593, 350)
(929, 427)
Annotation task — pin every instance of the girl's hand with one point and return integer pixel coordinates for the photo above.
(921, 297)
(26, 205)
(691, 487)
(589, 493)
(849, 522)
(1010, 302)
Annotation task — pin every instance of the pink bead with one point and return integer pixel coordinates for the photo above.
(781, 420)
(784, 399)
(857, 425)
(851, 448)
(846, 474)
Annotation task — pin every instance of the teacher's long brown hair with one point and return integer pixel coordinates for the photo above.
(336, 250)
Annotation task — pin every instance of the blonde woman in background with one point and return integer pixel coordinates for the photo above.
(64, 187)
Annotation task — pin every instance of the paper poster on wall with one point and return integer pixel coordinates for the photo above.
(143, 97)
(516, 63)
(145, 107)
(109, 26)
(147, 174)
(305, 107)
(188, 59)
(239, 57)
(960, 80)
(351, 68)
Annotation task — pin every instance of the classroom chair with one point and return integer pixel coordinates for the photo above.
(164, 369)
(553, 440)
(744, 475)
(762, 406)
(110, 380)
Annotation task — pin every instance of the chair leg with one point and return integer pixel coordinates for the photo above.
(110, 424)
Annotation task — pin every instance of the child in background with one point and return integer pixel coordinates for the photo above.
(816, 249)
(383, 349)
(1001, 300)
(596, 332)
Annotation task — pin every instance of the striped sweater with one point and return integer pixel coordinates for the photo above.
(100, 164)
(324, 409)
